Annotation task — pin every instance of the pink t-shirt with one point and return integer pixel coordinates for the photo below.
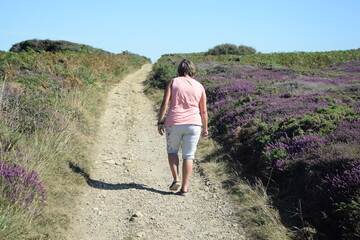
(184, 102)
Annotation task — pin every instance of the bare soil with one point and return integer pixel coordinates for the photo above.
(128, 195)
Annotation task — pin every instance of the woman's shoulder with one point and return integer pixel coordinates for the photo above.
(175, 79)
(198, 83)
(195, 80)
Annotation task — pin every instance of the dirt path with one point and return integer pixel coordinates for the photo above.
(128, 195)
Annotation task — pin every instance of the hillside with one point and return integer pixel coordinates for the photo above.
(292, 120)
(50, 102)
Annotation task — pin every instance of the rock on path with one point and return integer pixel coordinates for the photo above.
(128, 196)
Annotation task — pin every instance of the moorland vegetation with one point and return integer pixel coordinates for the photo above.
(291, 120)
(288, 124)
(51, 96)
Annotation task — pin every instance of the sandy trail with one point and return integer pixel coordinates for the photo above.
(128, 196)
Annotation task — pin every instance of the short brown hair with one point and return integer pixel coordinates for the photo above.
(186, 67)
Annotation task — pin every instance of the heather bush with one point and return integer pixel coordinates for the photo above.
(21, 187)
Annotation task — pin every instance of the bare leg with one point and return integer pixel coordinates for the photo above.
(174, 165)
(186, 173)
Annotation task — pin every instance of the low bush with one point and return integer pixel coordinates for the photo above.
(54, 46)
(163, 72)
(230, 49)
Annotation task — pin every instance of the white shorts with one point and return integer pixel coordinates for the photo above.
(188, 135)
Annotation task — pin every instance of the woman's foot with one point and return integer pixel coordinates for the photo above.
(175, 186)
(183, 193)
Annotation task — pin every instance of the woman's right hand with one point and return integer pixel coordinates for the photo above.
(161, 129)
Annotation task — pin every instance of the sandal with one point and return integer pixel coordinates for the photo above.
(175, 186)
(183, 193)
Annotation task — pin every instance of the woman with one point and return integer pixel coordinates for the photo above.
(187, 113)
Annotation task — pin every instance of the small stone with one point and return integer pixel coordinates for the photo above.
(140, 234)
(138, 214)
(135, 216)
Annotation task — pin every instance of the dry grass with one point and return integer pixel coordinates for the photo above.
(258, 218)
(14, 220)
(155, 95)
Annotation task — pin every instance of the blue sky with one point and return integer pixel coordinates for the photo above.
(153, 28)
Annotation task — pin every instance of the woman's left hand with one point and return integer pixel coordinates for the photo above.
(204, 133)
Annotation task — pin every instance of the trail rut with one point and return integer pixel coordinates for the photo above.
(128, 196)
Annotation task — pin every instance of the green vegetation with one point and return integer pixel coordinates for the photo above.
(306, 63)
(49, 110)
(292, 121)
(301, 60)
(230, 49)
(54, 46)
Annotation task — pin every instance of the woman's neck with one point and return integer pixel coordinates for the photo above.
(186, 76)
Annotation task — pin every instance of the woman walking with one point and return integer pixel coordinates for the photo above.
(186, 120)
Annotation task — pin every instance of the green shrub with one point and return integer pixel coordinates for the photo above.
(54, 46)
(230, 49)
(245, 50)
(163, 73)
(223, 49)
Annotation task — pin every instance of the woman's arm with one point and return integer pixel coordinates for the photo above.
(163, 108)
(204, 115)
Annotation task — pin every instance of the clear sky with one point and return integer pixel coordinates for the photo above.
(153, 28)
